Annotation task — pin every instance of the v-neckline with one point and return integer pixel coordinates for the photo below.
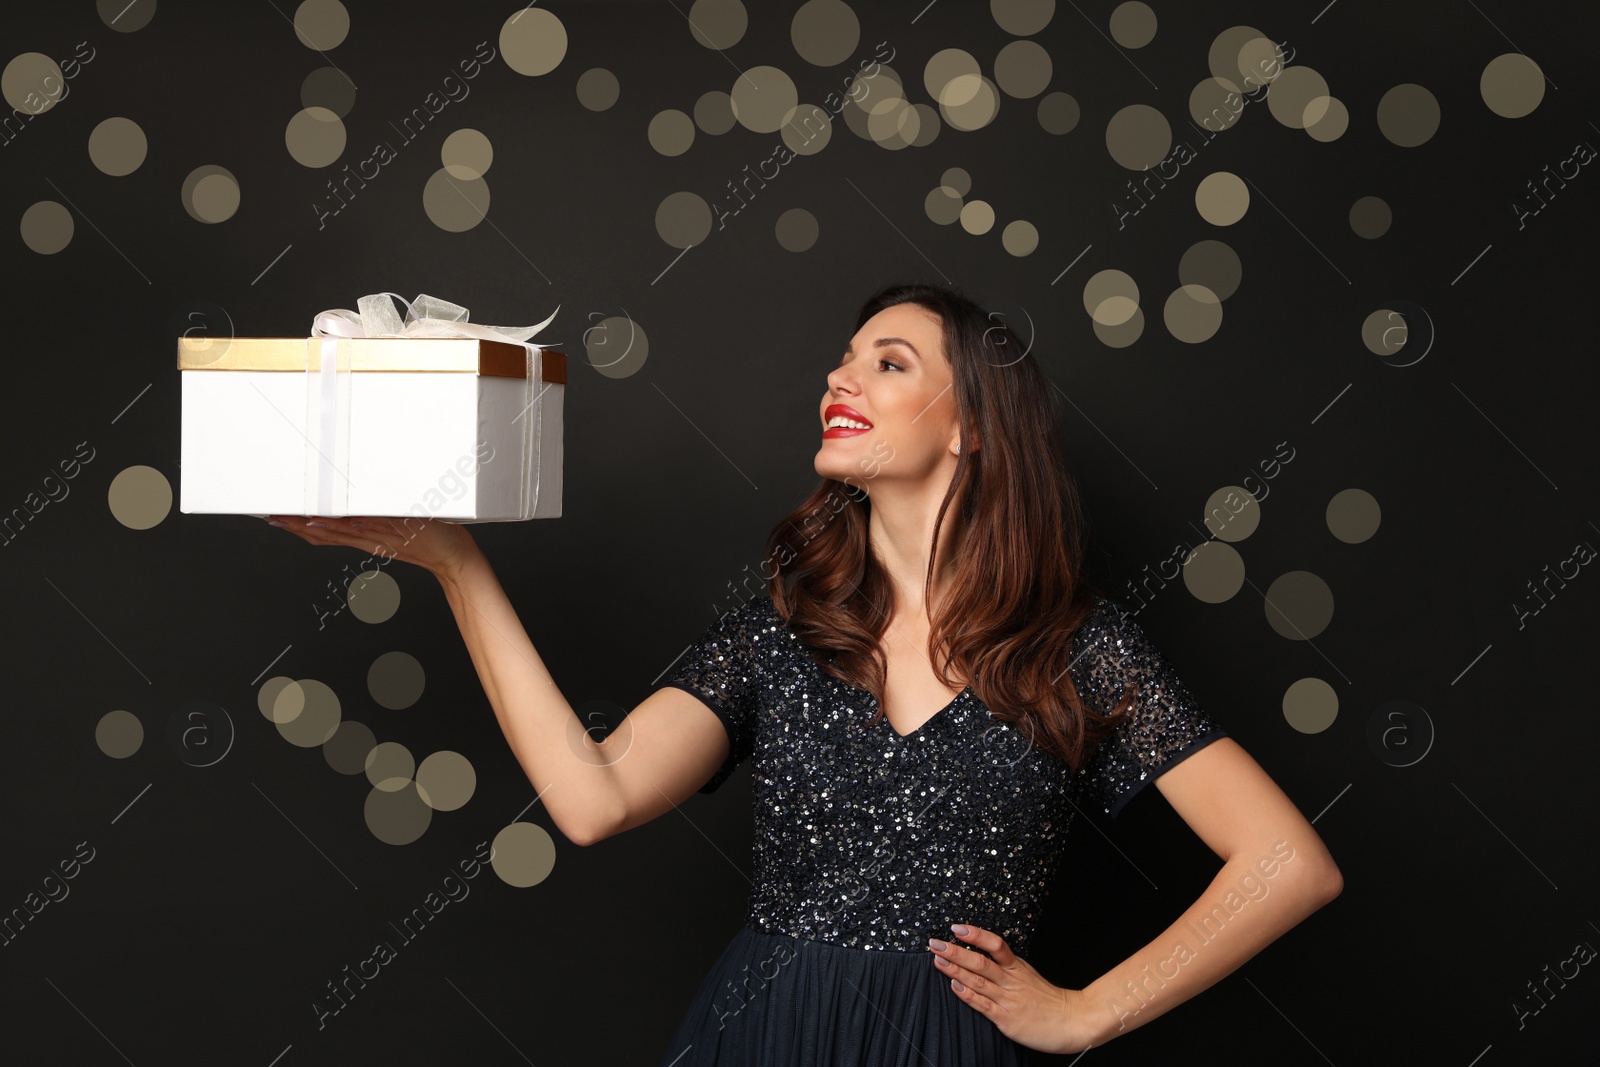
(925, 722)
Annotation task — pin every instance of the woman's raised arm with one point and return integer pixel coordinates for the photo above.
(659, 756)
(655, 759)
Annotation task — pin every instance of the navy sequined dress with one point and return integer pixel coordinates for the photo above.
(868, 842)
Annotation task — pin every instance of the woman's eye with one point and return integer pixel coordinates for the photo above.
(896, 366)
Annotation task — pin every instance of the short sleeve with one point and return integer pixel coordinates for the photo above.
(1165, 724)
(722, 668)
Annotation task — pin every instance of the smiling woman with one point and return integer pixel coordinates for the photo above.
(927, 695)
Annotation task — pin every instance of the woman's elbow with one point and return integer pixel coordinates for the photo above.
(591, 812)
(587, 834)
(582, 838)
(1329, 881)
(1335, 882)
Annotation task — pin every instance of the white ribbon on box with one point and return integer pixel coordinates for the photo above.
(328, 407)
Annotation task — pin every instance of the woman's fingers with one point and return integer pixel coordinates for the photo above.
(989, 942)
(316, 520)
(325, 529)
(429, 543)
(964, 960)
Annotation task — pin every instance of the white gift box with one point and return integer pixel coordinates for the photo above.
(407, 423)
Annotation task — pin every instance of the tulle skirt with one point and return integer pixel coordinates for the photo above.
(778, 1001)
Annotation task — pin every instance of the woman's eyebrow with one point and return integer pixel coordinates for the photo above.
(884, 342)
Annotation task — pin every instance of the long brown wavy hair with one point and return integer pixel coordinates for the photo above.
(1017, 593)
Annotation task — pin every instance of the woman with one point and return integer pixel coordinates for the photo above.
(928, 691)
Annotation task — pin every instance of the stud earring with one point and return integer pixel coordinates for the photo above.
(958, 448)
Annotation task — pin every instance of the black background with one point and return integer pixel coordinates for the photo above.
(206, 925)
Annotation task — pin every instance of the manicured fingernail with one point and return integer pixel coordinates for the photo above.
(959, 930)
(315, 523)
(274, 522)
(937, 945)
(959, 987)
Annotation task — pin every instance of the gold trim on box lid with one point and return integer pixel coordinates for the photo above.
(462, 355)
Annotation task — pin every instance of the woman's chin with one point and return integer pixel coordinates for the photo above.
(829, 467)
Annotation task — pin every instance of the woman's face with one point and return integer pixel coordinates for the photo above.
(895, 378)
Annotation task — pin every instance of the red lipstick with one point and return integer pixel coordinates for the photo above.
(848, 412)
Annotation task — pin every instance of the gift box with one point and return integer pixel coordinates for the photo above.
(429, 416)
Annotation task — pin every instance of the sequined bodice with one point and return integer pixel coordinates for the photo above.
(872, 840)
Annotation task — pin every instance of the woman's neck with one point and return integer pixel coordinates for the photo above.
(899, 533)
